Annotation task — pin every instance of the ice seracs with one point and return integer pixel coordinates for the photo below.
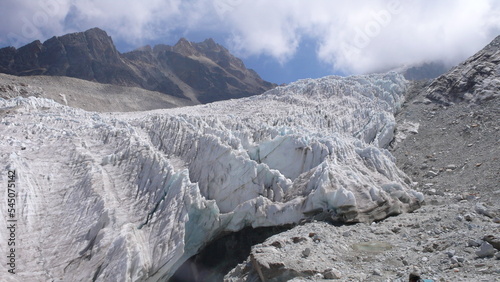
(132, 196)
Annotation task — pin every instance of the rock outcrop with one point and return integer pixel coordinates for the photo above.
(201, 72)
(476, 79)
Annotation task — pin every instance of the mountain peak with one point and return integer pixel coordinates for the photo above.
(96, 31)
(183, 42)
(204, 48)
(210, 43)
(201, 72)
(493, 45)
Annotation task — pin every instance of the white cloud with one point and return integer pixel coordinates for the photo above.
(353, 37)
(24, 21)
(366, 36)
(131, 21)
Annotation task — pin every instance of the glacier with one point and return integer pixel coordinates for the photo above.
(131, 196)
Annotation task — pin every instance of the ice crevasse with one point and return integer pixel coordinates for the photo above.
(130, 197)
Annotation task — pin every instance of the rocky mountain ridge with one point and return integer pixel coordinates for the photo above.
(200, 72)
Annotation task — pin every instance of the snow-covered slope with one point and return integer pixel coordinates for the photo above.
(129, 197)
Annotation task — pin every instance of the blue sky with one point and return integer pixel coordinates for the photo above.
(283, 40)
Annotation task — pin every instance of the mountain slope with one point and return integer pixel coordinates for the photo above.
(201, 72)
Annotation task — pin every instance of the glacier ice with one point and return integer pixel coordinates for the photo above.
(130, 197)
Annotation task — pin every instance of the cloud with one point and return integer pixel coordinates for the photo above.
(352, 37)
(129, 21)
(367, 37)
(24, 21)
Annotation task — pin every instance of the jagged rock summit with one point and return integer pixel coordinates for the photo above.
(201, 72)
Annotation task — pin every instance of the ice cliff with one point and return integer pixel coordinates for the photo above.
(130, 197)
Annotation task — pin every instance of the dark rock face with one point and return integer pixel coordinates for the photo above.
(474, 80)
(201, 72)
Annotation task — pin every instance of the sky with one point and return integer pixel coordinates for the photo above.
(283, 40)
